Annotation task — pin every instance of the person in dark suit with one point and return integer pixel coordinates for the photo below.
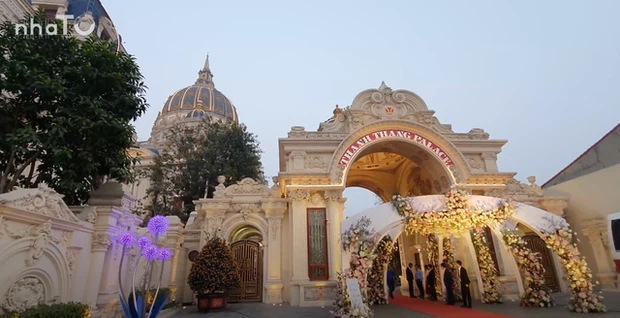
(410, 280)
(448, 282)
(391, 281)
(430, 282)
(464, 278)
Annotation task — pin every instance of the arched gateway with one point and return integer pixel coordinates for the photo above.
(387, 141)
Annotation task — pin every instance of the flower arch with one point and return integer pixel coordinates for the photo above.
(457, 214)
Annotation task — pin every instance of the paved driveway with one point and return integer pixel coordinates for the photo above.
(512, 309)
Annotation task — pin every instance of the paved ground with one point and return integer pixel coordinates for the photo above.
(512, 309)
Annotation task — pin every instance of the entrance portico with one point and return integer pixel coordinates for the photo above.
(387, 141)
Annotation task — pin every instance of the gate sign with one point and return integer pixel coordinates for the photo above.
(357, 302)
(394, 133)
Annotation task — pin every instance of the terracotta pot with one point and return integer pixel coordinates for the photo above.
(210, 302)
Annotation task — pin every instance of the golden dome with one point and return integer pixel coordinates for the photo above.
(200, 99)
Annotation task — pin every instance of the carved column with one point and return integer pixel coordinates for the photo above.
(598, 237)
(101, 244)
(335, 207)
(274, 285)
(404, 285)
(299, 233)
(172, 241)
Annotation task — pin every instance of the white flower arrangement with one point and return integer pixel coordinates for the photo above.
(583, 298)
(488, 272)
(537, 294)
(360, 241)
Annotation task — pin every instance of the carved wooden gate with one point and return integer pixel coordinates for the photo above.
(536, 244)
(249, 257)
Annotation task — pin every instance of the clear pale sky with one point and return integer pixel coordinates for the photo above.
(544, 75)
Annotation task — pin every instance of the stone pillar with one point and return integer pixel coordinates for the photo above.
(273, 284)
(404, 285)
(172, 240)
(335, 207)
(111, 216)
(598, 237)
(299, 219)
(299, 237)
(100, 245)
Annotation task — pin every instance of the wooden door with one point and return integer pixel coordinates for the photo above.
(536, 244)
(249, 257)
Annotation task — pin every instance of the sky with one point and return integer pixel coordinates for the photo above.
(544, 75)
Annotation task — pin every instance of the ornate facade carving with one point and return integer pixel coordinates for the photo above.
(315, 162)
(274, 219)
(299, 195)
(72, 255)
(319, 293)
(101, 241)
(42, 200)
(337, 174)
(514, 187)
(246, 208)
(245, 187)
(333, 195)
(91, 216)
(489, 156)
(214, 221)
(475, 162)
(41, 235)
(26, 293)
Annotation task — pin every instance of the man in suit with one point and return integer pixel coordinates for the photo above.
(448, 283)
(410, 280)
(430, 282)
(391, 281)
(464, 278)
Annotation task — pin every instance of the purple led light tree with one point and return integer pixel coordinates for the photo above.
(136, 306)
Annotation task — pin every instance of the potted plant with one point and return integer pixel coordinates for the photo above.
(213, 274)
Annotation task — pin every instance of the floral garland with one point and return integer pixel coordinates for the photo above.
(537, 294)
(433, 257)
(583, 298)
(376, 282)
(457, 218)
(359, 240)
(448, 258)
(488, 272)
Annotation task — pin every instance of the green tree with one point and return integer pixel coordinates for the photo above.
(195, 158)
(65, 111)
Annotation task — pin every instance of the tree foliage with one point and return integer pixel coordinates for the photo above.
(65, 111)
(214, 270)
(196, 157)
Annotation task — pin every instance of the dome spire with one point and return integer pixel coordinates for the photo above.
(205, 77)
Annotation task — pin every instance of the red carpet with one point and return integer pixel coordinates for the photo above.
(439, 309)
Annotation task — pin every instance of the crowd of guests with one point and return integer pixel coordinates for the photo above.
(417, 277)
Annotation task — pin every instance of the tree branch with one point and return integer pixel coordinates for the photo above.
(5, 175)
(21, 169)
